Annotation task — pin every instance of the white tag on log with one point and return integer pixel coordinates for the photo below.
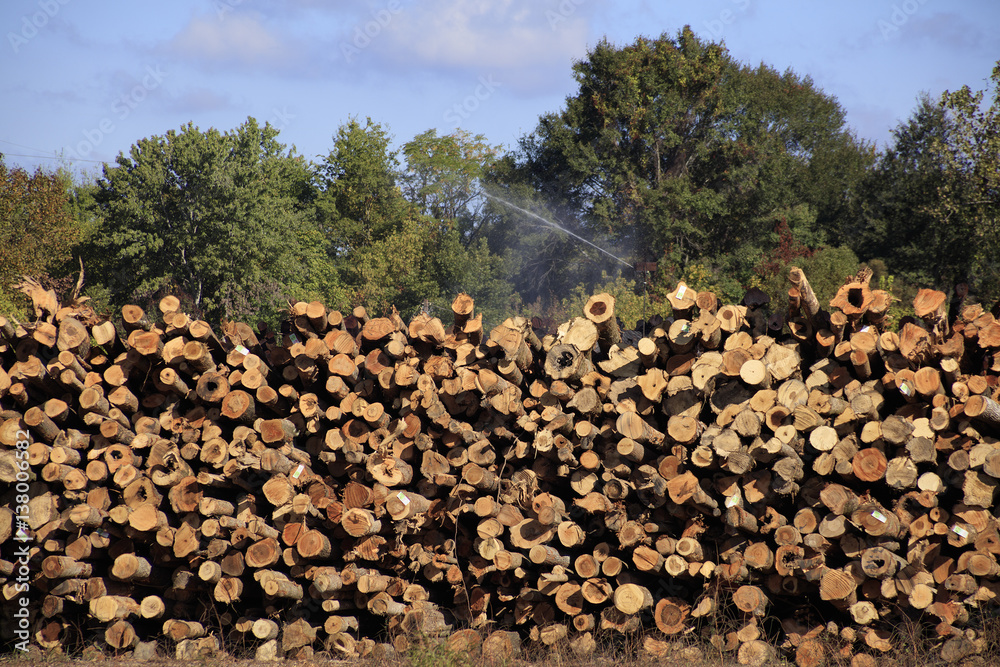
(294, 339)
(961, 532)
(402, 498)
(242, 350)
(905, 389)
(298, 471)
(879, 516)
(732, 501)
(680, 291)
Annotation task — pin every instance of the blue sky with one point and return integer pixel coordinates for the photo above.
(86, 80)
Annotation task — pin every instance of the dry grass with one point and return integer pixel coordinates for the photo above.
(914, 646)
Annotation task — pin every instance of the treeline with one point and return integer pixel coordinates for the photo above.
(670, 152)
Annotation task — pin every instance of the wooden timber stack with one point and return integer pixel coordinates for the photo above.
(310, 491)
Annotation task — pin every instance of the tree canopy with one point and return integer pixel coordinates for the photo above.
(970, 197)
(443, 176)
(897, 221)
(678, 153)
(398, 234)
(223, 217)
(37, 228)
(669, 151)
(929, 208)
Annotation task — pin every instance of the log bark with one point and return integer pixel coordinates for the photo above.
(600, 309)
(554, 484)
(809, 302)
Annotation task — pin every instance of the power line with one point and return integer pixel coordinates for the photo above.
(45, 157)
(41, 157)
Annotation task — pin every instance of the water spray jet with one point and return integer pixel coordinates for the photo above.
(556, 226)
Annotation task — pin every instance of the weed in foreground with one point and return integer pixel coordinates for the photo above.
(435, 653)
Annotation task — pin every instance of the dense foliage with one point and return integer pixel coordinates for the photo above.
(670, 151)
(37, 228)
(679, 155)
(929, 209)
(401, 235)
(224, 218)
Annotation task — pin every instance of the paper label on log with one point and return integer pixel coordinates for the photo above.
(243, 350)
(878, 516)
(680, 292)
(402, 498)
(298, 471)
(961, 532)
(732, 501)
(905, 389)
(294, 339)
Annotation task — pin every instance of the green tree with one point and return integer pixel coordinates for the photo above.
(226, 218)
(37, 227)
(969, 199)
(681, 154)
(399, 234)
(826, 269)
(805, 153)
(359, 202)
(929, 207)
(897, 221)
(443, 176)
(472, 268)
(376, 239)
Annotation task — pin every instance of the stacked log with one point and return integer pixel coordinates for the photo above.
(352, 476)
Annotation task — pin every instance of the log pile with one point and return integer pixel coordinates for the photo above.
(806, 475)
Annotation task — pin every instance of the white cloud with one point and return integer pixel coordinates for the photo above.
(235, 39)
(517, 39)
